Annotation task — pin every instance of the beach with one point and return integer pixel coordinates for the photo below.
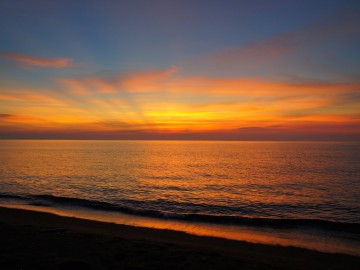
(37, 240)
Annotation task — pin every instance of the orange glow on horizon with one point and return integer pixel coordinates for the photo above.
(161, 102)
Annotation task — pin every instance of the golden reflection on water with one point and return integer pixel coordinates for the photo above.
(225, 173)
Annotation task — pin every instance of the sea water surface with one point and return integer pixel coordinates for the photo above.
(303, 194)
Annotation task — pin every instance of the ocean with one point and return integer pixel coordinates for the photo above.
(303, 194)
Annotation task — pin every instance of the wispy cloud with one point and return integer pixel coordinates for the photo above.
(173, 101)
(5, 115)
(255, 54)
(33, 61)
(169, 81)
(339, 25)
(131, 82)
(165, 101)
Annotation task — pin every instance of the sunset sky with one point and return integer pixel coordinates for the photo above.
(189, 69)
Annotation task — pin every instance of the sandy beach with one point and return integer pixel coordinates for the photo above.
(36, 240)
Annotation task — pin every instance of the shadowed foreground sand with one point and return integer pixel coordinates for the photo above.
(35, 240)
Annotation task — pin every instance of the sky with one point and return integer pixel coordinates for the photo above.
(189, 69)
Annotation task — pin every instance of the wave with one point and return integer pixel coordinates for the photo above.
(51, 200)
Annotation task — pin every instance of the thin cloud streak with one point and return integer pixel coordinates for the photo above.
(338, 25)
(168, 81)
(332, 132)
(33, 61)
(256, 54)
(5, 115)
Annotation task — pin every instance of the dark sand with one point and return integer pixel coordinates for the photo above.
(35, 240)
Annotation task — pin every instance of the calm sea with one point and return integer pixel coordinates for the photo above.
(277, 185)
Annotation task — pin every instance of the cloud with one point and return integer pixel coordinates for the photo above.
(31, 96)
(337, 26)
(261, 128)
(321, 131)
(168, 101)
(5, 115)
(169, 81)
(255, 54)
(165, 101)
(32, 61)
(140, 81)
(252, 87)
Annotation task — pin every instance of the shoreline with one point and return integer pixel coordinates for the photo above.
(306, 237)
(55, 241)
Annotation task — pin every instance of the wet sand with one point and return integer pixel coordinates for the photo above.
(36, 240)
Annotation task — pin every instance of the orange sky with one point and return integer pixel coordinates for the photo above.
(161, 102)
(291, 81)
